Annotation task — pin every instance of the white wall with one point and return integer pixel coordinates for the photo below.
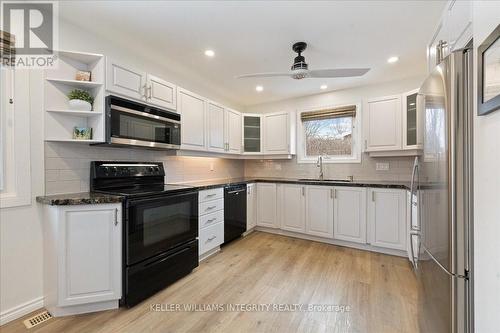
(486, 16)
(21, 254)
(337, 97)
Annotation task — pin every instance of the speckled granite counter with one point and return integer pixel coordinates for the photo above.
(203, 185)
(85, 198)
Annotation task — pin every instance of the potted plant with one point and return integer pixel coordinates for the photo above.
(80, 100)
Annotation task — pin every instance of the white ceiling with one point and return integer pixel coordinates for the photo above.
(256, 36)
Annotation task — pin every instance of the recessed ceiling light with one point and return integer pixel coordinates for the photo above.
(209, 53)
(392, 60)
(323, 87)
(259, 88)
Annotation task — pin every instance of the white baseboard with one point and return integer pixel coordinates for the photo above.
(20, 310)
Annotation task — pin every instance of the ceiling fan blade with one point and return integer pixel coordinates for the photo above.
(338, 72)
(263, 75)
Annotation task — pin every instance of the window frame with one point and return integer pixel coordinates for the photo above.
(356, 138)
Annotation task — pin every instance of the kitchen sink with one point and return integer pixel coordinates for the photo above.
(325, 180)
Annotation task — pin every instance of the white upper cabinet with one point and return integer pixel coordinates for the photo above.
(125, 80)
(251, 206)
(387, 218)
(350, 214)
(192, 109)
(216, 125)
(161, 93)
(267, 205)
(278, 133)
(319, 211)
(233, 131)
(454, 30)
(292, 207)
(383, 120)
(132, 83)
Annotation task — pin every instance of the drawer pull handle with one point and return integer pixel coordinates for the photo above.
(211, 207)
(211, 238)
(211, 195)
(211, 220)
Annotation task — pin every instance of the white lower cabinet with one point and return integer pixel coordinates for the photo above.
(210, 221)
(83, 258)
(251, 206)
(267, 205)
(387, 218)
(349, 214)
(319, 211)
(292, 207)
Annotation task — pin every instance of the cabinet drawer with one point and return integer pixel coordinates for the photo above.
(211, 237)
(216, 193)
(210, 206)
(211, 219)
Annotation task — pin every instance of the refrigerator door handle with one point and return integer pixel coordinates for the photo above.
(415, 258)
(412, 190)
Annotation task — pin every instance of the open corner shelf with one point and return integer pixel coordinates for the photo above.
(60, 119)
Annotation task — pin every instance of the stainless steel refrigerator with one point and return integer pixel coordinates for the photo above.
(441, 235)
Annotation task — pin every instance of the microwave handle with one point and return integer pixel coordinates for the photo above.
(143, 114)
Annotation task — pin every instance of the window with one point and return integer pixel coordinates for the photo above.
(329, 132)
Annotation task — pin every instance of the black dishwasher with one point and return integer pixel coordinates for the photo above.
(235, 211)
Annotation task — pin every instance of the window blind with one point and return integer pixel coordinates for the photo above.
(7, 48)
(344, 111)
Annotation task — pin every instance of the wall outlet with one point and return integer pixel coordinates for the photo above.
(382, 166)
(211, 166)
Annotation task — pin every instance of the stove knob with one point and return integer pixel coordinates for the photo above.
(114, 170)
(106, 171)
(151, 169)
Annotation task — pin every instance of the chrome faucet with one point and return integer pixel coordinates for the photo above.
(319, 164)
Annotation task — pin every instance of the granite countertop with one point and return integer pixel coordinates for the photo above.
(232, 181)
(84, 198)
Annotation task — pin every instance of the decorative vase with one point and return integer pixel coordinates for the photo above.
(80, 105)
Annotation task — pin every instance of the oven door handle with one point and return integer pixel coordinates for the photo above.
(135, 202)
(162, 259)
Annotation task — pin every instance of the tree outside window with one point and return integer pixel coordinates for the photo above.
(329, 137)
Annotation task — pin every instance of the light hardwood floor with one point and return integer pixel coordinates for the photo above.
(263, 268)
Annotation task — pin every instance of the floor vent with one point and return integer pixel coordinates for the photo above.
(42, 317)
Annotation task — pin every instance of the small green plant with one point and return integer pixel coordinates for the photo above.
(81, 94)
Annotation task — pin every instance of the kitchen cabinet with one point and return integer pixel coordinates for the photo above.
(216, 121)
(349, 211)
(211, 221)
(292, 207)
(454, 30)
(267, 205)
(413, 122)
(278, 133)
(252, 125)
(83, 258)
(129, 82)
(161, 93)
(192, 108)
(251, 206)
(319, 211)
(126, 81)
(383, 120)
(233, 131)
(387, 218)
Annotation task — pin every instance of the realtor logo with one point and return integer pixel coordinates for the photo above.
(29, 29)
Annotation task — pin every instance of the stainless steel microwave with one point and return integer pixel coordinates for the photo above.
(129, 123)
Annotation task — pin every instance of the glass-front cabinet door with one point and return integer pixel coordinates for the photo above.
(252, 134)
(412, 105)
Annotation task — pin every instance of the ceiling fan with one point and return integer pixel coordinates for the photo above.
(300, 69)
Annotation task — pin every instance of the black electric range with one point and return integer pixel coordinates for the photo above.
(160, 232)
